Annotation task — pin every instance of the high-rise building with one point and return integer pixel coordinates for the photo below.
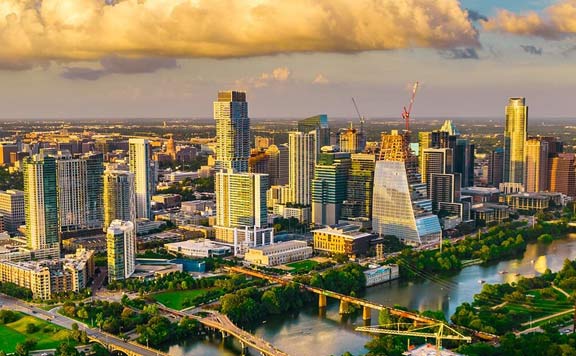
(232, 131)
(301, 167)
(12, 208)
(563, 174)
(278, 164)
(536, 165)
(444, 188)
(514, 140)
(329, 186)
(434, 139)
(318, 126)
(464, 161)
(258, 161)
(349, 140)
(140, 165)
(358, 203)
(436, 160)
(241, 209)
(121, 250)
(119, 197)
(496, 167)
(79, 181)
(7, 148)
(400, 206)
(41, 205)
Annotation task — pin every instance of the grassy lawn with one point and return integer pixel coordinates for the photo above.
(175, 299)
(302, 266)
(48, 336)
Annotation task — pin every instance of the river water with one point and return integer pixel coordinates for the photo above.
(309, 333)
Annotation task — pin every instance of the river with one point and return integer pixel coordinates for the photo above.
(309, 333)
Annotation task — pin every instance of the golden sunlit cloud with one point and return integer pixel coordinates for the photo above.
(556, 21)
(77, 30)
(280, 74)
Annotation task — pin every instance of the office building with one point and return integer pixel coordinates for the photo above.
(563, 174)
(279, 253)
(464, 161)
(349, 140)
(140, 165)
(435, 160)
(241, 209)
(358, 203)
(12, 209)
(434, 139)
(329, 186)
(198, 248)
(121, 250)
(232, 131)
(444, 188)
(41, 205)
(536, 165)
(496, 167)
(301, 167)
(278, 164)
(342, 239)
(515, 140)
(119, 197)
(400, 204)
(316, 126)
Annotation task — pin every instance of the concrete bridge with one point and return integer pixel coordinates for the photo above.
(115, 344)
(345, 301)
(220, 322)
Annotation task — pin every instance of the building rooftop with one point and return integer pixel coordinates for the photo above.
(429, 350)
(345, 230)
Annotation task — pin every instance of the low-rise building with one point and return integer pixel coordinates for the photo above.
(342, 238)
(198, 248)
(489, 213)
(279, 253)
(167, 201)
(528, 201)
(380, 274)
(177, 177)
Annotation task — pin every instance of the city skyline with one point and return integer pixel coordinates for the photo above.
(469, 55)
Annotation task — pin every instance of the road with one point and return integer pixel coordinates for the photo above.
(65, 322)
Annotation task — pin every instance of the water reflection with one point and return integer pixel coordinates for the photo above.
(318, 333)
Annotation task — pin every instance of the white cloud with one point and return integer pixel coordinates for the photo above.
(280, 74)
(320, 79)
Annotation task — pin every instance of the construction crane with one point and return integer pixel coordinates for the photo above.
(406, 112)
(443, 332)
(362, 119)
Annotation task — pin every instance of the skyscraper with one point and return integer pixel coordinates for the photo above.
(318, 125)
(232, 131)
(121, 250)
(79, 181)
(496, 167)
(41, 205)
(278, 164)
(563, 174)
(514, 140)
(444, 188)
(464, 161)
(536, 165)
(139, 150)
(400, 206)
(119, 197)
(358, 203)
(329, 186)
(241, 209)
(349, 140)
(436, 160)
(302, 159)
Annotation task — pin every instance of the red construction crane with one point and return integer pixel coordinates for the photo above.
(406, 112)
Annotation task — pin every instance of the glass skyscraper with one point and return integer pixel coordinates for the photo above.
(121, 250)
(232, 131)
(515, 140)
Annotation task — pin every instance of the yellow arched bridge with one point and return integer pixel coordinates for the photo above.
(346, 300)
(220, 322)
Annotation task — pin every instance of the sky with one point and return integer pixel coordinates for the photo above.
(295, 58)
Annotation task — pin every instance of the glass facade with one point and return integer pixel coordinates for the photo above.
(232, 131)
(514, 140)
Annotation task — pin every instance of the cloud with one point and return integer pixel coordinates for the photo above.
(555, 22)
(460, 53)
(280, 74)
(531, 49)
(320, 79)
(81, 30)
(120, 65)
(474, 15)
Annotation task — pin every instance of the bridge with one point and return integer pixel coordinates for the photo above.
(345, 301)
(115, 344)
(222, 323)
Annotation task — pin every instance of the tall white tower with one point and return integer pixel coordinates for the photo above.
(302, 158)
(139, 150)
(121, 249)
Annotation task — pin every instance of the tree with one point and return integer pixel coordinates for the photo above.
(31, 328)
(21, 350)
(66, 349)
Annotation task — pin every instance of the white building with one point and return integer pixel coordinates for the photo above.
(279, 253)
(140, 165)
(121, 249)
(380, 274)
(302, 159)
(198, 248)
(177, 177)
(232, 131)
